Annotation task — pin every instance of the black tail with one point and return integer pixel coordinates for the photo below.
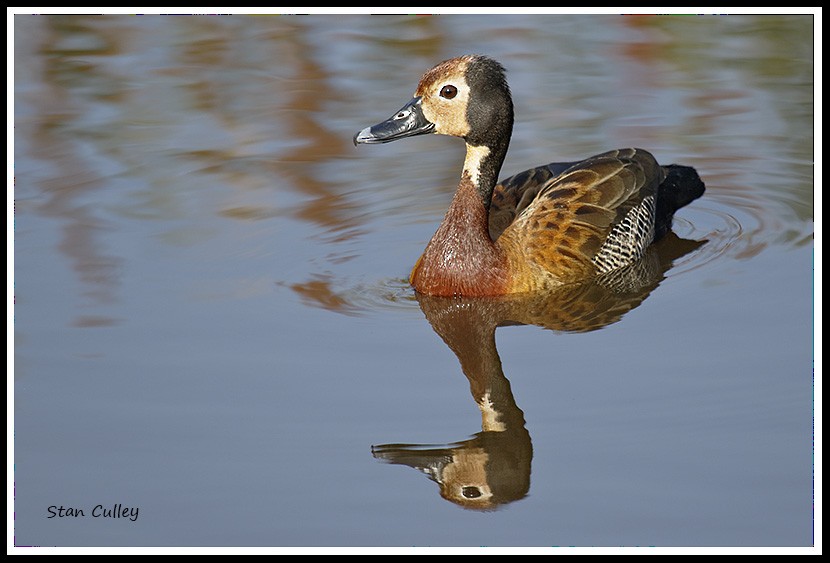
(681, 187)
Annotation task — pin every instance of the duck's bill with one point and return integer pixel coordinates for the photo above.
(407, 122)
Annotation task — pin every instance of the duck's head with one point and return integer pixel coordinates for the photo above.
(465, 97)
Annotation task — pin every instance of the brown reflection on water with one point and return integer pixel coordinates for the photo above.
(59, 65)
(303, 116)
(152, 113)
(292, 99)
(319, 292)
(493, 467)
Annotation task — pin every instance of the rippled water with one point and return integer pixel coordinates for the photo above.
(212, 323)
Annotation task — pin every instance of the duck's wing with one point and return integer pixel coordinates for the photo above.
(513, 194)
(594, 217)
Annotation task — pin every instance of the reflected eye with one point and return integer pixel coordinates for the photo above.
(449, 91)
(470, 492)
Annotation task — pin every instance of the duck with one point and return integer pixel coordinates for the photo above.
(555, 224)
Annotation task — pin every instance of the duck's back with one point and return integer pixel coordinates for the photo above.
(565, 222)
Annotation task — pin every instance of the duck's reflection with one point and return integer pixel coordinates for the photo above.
(493, 467)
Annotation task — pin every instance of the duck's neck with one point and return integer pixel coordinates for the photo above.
(461, 258)
(482, 166)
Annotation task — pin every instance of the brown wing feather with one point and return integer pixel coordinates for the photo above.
(558, 223)
(514, 194)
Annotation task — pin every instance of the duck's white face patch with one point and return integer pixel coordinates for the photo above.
(445, 96)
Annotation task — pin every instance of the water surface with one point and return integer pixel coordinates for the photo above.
(212, 323)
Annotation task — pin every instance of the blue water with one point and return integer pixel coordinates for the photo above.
(212, 324)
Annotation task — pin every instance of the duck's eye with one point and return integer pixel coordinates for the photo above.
(449, 91)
